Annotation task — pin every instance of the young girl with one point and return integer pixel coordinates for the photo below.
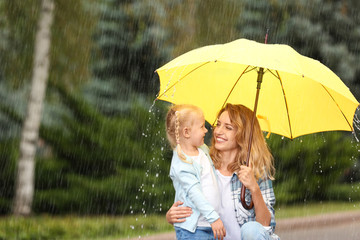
(193, 174)
(228, 150)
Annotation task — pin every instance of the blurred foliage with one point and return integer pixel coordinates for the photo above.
(197, 23)
(101, 151)
(308, 166)
(19, 28)
(324, 30)
(8, 156)
(106, 165)
(130, 44)
(344, 192)
(307, 209)
(12, 106)
(71, 40)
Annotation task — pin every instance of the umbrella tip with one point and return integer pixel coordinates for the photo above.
(266, 35)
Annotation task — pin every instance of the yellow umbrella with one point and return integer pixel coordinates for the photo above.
(299, 95)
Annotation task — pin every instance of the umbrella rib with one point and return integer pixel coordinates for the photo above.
(286, 104)
(352, 129)
(278, 77)
(233, 88)
(182, 79)
(249, 70)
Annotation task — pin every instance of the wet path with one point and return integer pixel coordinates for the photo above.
(345, 231)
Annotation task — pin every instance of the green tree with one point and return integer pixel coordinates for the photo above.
(130, 40)
(20, 19)
(324, 30)
(102, 164)
(198, 23)
(308, 166)
(20, 25)
(24, 189)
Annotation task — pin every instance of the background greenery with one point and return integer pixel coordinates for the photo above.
(102, 146)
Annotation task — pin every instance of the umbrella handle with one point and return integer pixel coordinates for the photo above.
(243, 189)
(242, 197)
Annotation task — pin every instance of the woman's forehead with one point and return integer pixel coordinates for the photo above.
(224, 116)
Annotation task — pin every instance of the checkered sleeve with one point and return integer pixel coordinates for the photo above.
(267, 192)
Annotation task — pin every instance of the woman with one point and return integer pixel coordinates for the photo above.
(228, 152)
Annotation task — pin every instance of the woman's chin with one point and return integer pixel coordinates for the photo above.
(224, 147)
(219, 146)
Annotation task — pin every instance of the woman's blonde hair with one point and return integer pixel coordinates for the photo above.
(261, 159)
(177, 118)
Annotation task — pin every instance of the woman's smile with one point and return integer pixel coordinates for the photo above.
(220, 139)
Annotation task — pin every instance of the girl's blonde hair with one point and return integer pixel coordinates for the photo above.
(261, 159)
(177, 118)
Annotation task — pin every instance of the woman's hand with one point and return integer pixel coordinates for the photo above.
(178, 214)
(262, 213)
(247, 177)
(218, 229)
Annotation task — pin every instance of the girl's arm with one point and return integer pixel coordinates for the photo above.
(190, 184)
(187, 177)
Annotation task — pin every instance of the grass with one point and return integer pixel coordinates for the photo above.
(311, 209)
(110, 228)
(77, 227)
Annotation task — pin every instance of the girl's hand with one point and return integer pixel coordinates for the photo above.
(178, 214)
(218, 229)
(247, 177)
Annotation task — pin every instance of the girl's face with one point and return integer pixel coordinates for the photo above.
(198, 131)
(224, 134)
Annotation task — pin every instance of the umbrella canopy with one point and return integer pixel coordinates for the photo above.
(299, 95)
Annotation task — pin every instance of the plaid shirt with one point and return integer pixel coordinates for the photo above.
(243, 215)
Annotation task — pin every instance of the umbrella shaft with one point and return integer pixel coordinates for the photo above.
(259, 81)
(243, 189)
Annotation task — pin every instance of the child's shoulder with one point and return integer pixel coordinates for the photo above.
(205, 148)
(182, 165)
(177, 160)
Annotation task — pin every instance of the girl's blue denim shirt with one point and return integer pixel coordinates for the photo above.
(186, 180)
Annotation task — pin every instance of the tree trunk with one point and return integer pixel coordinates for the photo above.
(24, 191)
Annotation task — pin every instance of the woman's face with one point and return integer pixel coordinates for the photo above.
(224, 134)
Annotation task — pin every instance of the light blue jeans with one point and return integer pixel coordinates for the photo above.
(254, 231)
(201, 233)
